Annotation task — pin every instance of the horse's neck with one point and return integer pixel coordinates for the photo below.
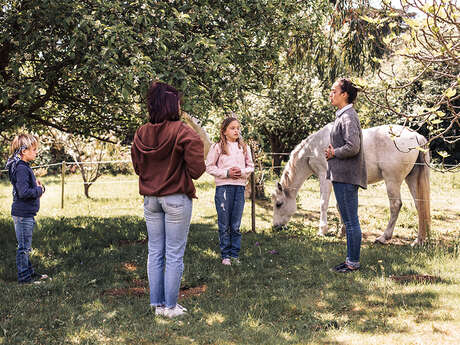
(305, 159)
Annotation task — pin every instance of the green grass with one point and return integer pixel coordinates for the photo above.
(95, 253)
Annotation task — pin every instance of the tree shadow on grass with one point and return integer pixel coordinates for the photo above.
(281, 293)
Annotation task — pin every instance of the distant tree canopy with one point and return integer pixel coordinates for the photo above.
(83, 67)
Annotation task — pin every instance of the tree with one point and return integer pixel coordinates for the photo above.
(422, 87)
(87, 154)
(83, 67)
(326, 42)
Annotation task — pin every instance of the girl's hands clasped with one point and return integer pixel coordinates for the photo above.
(234, 173)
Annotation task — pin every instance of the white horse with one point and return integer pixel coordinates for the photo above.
(195, 124)
(391, 153)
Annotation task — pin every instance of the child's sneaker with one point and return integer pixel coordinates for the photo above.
(38, 277)
(178, 310)
(226, 262)
(236, 261)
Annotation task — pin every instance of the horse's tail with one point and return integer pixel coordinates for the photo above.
(423, 194)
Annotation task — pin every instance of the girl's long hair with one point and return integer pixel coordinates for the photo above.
(223, 140)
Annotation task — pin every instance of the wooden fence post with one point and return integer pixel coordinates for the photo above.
(62, 183)
(253, 202)
(253, 193)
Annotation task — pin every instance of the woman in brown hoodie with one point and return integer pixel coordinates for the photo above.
(167, 154)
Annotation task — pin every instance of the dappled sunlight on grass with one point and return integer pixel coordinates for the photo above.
(214, 318)
(281, 293)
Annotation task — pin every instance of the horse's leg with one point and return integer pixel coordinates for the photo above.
(325, 187)
(394, 196)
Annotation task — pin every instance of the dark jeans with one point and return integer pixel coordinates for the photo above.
(346, 195)
(229, 201)
(24, 227)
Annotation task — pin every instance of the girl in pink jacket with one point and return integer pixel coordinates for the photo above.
(230, 162)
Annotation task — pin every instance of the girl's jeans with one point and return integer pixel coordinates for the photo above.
(24, 228)
(346, 195)
(168, 221)
(229, 201)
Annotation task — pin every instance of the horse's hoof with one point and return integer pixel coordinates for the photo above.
(417, 242)
(323, 230)
(381, 240)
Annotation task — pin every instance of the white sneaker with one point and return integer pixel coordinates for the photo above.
(160, 310)
(178, 310)
(226, 262)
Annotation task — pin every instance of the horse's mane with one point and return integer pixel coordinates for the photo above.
(290, 169)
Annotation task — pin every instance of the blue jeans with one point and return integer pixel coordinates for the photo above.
(24, 228)
(346, 195)
(168, 222)
(229, 201)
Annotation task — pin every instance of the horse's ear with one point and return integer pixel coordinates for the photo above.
(280, 187)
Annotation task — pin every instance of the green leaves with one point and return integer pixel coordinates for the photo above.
(450, 92)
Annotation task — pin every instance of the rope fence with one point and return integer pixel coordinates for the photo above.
(436, 166)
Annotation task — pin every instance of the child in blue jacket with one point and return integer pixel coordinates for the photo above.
(27, 191)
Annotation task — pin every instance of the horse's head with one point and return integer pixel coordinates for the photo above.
(284, 205)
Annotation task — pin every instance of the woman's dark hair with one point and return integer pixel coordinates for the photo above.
(347, 86)
(163, 102)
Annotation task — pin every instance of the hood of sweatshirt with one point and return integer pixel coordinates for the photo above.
(157, 140)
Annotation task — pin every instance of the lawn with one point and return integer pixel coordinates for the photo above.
(282, 293)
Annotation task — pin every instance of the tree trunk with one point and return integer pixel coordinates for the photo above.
(86, 186)
(276, 147)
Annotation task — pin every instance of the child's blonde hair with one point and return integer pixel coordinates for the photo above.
(223, 140)
(23, 141)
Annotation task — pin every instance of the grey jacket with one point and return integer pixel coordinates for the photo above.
(348, 164)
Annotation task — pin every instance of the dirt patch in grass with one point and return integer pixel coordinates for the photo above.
(131, 242)
(139, 287)
(417, 278)
(187, 292)
(131, 291)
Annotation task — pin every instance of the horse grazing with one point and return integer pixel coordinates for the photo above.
(391, 153)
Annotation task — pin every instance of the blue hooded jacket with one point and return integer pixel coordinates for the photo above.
(26, 193)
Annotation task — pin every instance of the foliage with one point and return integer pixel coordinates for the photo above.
(334, 41)
(422, 87)
(83, 67)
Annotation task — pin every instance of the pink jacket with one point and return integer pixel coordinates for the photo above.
(218, 163)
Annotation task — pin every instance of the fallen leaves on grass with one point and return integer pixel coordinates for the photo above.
(130, 266)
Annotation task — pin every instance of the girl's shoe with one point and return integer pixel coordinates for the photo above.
(37, 276)
(178, 310)
(236, 261)
(226, 262)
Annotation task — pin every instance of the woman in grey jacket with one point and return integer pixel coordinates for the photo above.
(347, 167)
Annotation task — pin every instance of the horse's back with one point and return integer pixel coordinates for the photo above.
(390, 152)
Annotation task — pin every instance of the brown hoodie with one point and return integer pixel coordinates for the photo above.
(167, 156)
